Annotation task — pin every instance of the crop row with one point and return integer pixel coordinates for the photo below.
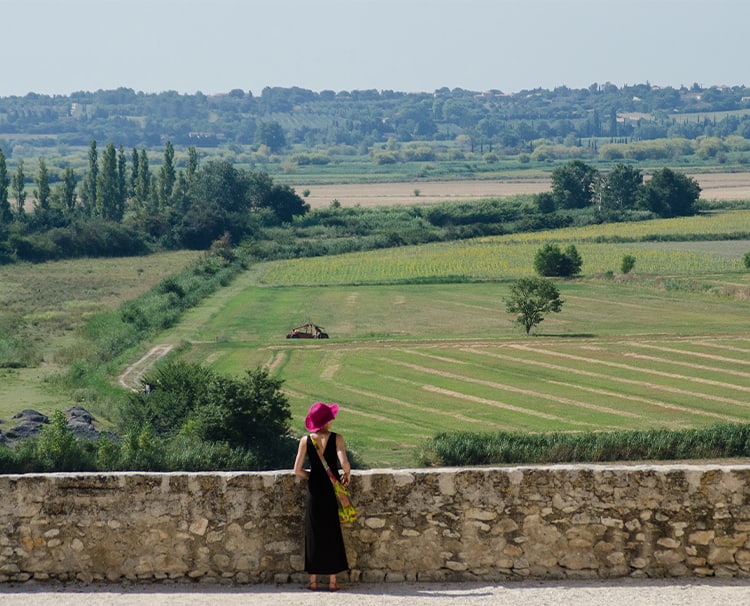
(395, 399)
(486, 259)
(508, 257)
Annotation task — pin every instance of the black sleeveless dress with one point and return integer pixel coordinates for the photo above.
(324, 543)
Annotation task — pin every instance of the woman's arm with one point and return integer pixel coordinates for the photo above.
(300, 460)
(343, 459)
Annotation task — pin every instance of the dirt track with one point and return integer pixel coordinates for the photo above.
(715, 186)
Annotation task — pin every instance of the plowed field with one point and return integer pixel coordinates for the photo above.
(715, 186)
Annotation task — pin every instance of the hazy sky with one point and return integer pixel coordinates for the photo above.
(213, 46)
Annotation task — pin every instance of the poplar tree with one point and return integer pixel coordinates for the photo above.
(17, 185)
(167, 176)
(143, 180)
(122, 181)
(42, 191)
(134, 161)
(6, 214)
(192, 163)
(67, 191)
(88, 187)
(107, 186)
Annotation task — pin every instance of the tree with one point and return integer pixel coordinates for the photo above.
(622, 187)
(545, 202)
(122, 181)
(134, 167)
(58, 449)
(182, 398)
(285, 203)
(746, 259)
(17, 186)
(167, 175)
(192, 163)
(271, 135)
(248, 412)
(66, 192)
(42, 191)
(573, 184)
(142, 179)
(218, 201)
(671, 194)
(6, 214)
(572, 261)
(530, 299)
(88, 187)
(551, 261)
(108, 204)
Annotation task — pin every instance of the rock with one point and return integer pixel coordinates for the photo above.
(80, 421)
(30, 424)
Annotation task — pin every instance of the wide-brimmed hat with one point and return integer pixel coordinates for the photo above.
(320, 415)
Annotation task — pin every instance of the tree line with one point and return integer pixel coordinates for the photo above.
(139, 208)
(120, 206)
(667, 193)
(281, 117)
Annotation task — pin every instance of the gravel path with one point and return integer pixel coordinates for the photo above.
(616, 592)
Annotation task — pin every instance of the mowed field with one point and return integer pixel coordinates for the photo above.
(715, 186)
(667, 348)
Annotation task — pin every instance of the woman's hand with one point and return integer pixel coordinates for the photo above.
(345, 477)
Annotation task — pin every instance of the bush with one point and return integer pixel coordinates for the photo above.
(746, 259)
(628, 263)
(184, 400)
(551, 261)
(58, 449)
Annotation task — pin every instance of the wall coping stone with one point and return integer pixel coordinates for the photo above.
(561, 521)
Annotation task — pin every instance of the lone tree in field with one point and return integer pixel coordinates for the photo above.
(531, 298)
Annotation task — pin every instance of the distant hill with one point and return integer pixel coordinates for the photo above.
(285, 119)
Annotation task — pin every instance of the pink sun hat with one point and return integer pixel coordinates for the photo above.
(320, 415)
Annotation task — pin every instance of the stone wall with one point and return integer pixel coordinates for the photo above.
(490, 524)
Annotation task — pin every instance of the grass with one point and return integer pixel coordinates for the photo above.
(407, 361)
(420, 342)
(45, 305)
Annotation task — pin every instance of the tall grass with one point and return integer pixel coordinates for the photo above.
(716, 441)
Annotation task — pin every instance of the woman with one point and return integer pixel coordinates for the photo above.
(324, 543)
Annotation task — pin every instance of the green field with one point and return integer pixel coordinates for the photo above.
(51, 301)
(420, 340)
(668, 348)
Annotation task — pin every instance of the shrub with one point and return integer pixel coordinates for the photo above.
(551, 261)
(628, 263)
(250, 414)
(58, 449)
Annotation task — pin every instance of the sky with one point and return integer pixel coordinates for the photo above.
(213, 46)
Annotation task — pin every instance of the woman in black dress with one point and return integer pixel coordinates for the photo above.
(324, 543)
